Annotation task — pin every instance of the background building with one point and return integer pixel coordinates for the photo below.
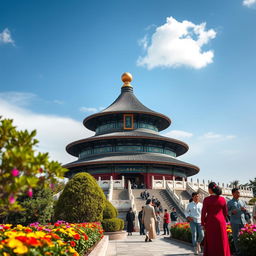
(127, 143)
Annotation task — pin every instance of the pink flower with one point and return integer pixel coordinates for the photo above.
(30, 192)
(15, 172)
(52, 186)
(12, 199)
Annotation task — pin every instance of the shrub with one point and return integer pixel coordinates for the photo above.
(252, 201)
(109, 211)
(82, 200)
(247, 240)
(111, 225)
(39, 208)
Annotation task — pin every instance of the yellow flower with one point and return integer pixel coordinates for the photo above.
(60, 243)
(72, 250)
(12, 243)
(6, 254)
(19, 227)
(21, 249)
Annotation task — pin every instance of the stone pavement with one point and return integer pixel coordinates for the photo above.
(135, 246)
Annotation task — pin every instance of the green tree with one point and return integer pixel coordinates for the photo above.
(252, 184)
(82, 200)
(22, 168)
(39, 208)
(234, 183)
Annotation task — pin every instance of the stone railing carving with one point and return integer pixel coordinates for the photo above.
(177, 199)
(131, 197)
(110, 191)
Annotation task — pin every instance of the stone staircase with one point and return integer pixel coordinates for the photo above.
(120, 199)
(120, 194)
(162, 196)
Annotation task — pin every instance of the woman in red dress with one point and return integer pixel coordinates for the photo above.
(214, 215)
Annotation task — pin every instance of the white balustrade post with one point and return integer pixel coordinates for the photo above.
(198, 183)
(204, 185)
(173, 182)
(153, 182)
(183, 183)
(164, 183)
(122, 181)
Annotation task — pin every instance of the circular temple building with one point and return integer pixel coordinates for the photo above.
(127, 143)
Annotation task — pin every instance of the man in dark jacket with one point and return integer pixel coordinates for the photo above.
(142, 232)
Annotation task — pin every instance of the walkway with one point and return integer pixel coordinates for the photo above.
(135, 246)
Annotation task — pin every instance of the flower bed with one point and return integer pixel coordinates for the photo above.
(60, 238)
(247, 236)
(181, 231)
(247, 240)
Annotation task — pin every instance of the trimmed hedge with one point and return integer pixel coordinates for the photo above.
(114, 224)
(82, 200)
(109, 211)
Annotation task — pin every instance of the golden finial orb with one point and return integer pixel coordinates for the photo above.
(126, 78)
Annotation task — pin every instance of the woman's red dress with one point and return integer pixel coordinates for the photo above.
(214, 215)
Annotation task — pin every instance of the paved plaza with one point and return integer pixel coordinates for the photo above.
(135, 246)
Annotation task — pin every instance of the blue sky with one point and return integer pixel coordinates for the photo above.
(194, 61)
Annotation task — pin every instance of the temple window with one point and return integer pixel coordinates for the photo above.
(128, 122)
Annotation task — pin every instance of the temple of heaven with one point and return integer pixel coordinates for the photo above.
(127, 143)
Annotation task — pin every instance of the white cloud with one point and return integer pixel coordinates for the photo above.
(177, 134)
(177, 44)
(143, 42)
(90, 109)
(18, 98)
(59, 102)
(249, 3)
(5, 37)
(53, 132)
(212, 135)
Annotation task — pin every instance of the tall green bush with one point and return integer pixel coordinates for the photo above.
(109, 211)
(82, 200)
(110, 221)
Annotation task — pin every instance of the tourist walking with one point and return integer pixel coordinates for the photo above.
(130, 217)
(158, 220)
(193, 215)
(149, 221)
(174, 216)
(142, 232)
(236, 210)
(213, 220)
(166, 222)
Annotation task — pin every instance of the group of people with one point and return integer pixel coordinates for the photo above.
(150, 217)
(207, 221)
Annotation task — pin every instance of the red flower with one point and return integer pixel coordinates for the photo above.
(76, 236)
(72, 243)
(85, 237)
